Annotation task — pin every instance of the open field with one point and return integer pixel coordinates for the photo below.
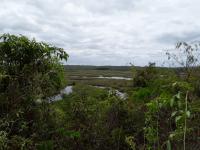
(93, 75)
(88, 75)
(95, 71)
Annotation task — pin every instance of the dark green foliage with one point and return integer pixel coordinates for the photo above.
(143, 77)
(45, 145)
(197, 88)
(142, 95)
(161, 112)
(103, 120)
(169, 119)
(29, 72)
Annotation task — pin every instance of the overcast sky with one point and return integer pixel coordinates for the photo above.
(105, 32)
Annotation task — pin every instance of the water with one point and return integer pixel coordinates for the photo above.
(117, 92)
(121, 95)
(67, 90)
(103, 77)
(116, 78)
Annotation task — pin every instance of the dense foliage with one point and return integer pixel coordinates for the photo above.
(102, 119)
(161, 111)
(29, 72)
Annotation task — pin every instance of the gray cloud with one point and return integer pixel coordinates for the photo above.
(114, 32)
(170, 38)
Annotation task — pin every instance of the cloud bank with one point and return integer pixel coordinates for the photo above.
(106, 32)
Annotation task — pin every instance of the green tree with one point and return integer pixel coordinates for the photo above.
(142, 77)
(30, 72)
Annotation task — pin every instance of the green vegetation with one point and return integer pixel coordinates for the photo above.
(29, 73)
(88, 75)
(161, 112)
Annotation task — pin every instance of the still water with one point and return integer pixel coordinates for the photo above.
(69, 89)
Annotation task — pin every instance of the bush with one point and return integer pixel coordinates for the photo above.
(143, 77)
(142, 95)
(30, 71)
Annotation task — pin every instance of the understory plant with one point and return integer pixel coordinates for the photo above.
(166, 121)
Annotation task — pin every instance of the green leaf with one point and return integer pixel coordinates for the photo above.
(178, 95)
(45, 145)
(171, 135)
(188, 114)
(72, 134)
(179, 104)
(173, 113)
(178, 118)
(169, 147)
(172, 102)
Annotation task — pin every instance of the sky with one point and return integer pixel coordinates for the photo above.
(105, 32)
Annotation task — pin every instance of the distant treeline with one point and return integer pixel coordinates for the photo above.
(115, 68)
(87, 67)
